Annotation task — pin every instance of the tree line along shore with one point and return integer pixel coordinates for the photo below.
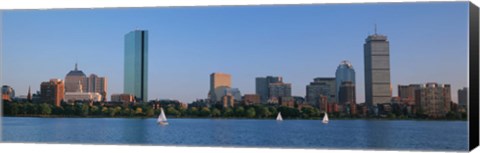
(144, 110)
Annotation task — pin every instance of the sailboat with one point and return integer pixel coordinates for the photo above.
(325, 118)
(279, 117)
(162, 119)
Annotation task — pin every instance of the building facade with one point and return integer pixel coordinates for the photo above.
(73, 77)
(125, 98)
(251, 99)
(262, 86)
(7, 93)
(280, 89)
(53, 91)
(235, 92)
(463, 97)
(433, 100)
(345, 72)
(219, 82)
(97, 84)
(347, 93)
(321, 87)
(228, 100)
(406, 93)
(136, 65)
(377, 70)
(79, 95)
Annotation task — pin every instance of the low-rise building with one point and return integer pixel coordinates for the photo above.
(433, 100)
(126, 98)
(228, 100)
(251, 99)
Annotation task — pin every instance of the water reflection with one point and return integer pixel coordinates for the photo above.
(351, 134)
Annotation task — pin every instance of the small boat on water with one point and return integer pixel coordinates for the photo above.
(325, 118)
(162, 119)
(279, 116)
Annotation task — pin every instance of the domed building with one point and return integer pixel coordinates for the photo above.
(7, 93)
(72, 79)
(345, 72)
(93, 84)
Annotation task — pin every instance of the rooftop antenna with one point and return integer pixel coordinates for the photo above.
(76, 66)
(375, 29)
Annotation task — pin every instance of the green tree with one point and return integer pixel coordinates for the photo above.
(14, 109)
(216, 112)
(265, 112)
(239, 111)
(139, 111)
(193, 111)
(173, 111)
(94, 110)
(45, 109)
(124, 112)
(273, 110)
(150, 112)
(309, 112)
(228, 112)
(105, 111)
(112, 112)
(251, 112)
(70, 110)
(182, 111)
(205, 111)
(58, 110)
(6, 108)
(85, 110)
(288, 112)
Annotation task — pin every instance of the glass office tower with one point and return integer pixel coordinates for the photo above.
(345, 72)
(136, 65)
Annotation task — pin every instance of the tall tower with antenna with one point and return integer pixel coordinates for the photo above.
(377, 69)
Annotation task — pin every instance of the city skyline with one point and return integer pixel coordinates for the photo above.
(183, 66)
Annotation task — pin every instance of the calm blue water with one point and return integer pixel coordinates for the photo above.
(350, 134)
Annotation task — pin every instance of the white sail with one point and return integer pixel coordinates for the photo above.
(279, 117)
(325, 118)
(162, 118)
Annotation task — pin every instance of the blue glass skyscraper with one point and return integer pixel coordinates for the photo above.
(136, 65)
(345, 72)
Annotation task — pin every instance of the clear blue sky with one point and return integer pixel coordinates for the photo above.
(428, 43)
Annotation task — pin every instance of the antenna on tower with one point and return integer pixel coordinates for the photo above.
(375, 29)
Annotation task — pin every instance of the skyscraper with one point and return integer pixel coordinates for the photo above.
(345, 72)
(377, 70)
(262, 86)
(219, 82)
(135, 79)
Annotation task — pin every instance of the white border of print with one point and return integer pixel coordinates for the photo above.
(62, 148)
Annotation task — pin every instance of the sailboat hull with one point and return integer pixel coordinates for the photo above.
(163, 123)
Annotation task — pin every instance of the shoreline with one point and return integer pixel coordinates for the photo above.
(233, 118)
